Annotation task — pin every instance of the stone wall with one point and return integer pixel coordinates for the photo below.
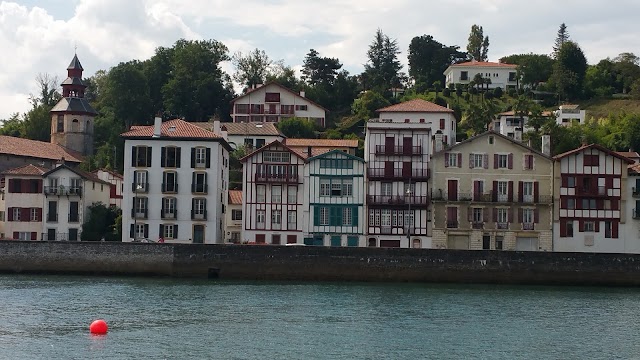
(310, 263)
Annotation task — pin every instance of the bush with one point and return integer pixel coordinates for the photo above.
(497, 92)
(488, 95)
(446, 92)
(512, 92)
(466, 96)
(473, 91)
(441, 101)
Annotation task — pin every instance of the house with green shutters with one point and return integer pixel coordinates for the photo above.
(334, 200)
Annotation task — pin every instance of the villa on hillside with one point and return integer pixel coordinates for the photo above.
(501, 75)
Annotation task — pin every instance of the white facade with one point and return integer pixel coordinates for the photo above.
(511, 125)
(180, 179)
(117, 185)
(272, 102)
(334, 210)
(631, 234)
(23, 210)
(3, 215)
(501, 75)
(570, 114)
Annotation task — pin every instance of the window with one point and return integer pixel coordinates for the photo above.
(276, 156)
(141, 156)
(386, 189)
(512, 76)
(261, 193)
(260, 218)
(259, 143)
(301, 107)
(170, 157)
(502, 215)
(324, 216)
(477, 215)
(325, 187)
(589, 226)
(408, 219)
(169, 207)
(499, 241)
(386, 218)
(139, 231)
(591, 160)
(336, 164)
(571, 182)
(292, 195)
(140, 181)
(347, 216)
(527, 216)
(33, 214)
(76, 185)
(140, 206)
(271, 97)
(528, 162)
(607, 229)
(199, 209)
(442, 124)
(478, 160)
(527, 191)
(503, 191)
(236, 215)
(292, 222)
(169, 231)
(589, 204)
(276, 194)
(16, 214)
(200, 155)
(569, 228)
(336, 187)
(60, 124)
(503, 161)
(586, 184)
(464, 75)
(452, 160)
(170, 181)
(199, 183)
(248, 143)
(571, 203)
(276, 219)
(409, 188)
(490, 140)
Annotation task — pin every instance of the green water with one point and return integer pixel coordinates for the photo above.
(47, 317)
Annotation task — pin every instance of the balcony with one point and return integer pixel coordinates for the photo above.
(542, 199)
(397, 200)
(636, 214)
(199, 188)
(636, 192)
(169, 187)
(528, 226)
(502, 226)
(61, 190)
(139, 213)
(444, 196)
(452, 224)
(52, 217)
(595, 191)
(277, 178)
(477, 225)
(198, 215)
(399, 150)
(169, 215)
(74, 217)
(398, 174)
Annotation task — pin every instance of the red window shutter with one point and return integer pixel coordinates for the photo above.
(510, 161)
(10, 214)
(597, 226)
(520, 215)
(459, 160)
(563, 228)
(495, 161)
(494, 195)
(510, 191)
(470, 161)
(614, 229)
(614, 204)
(10, 186)
(446, 159)
(608, 182)
(563, 202)
(536, 215)
(581, 225)
(536, 191)
(485, 161)
(565, 181)
(34, 235)
(39, 214)
(526, 161)
(16, 235)
(442, 124)
(520, 191)
(446, 139)
(40, 186)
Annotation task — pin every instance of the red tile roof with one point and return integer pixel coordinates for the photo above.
(235, 197)
(114, 173)
(321, 142)
(634, 168)
(416, 105)
(596, 146)
(283, 88)
(512, 113)
(176, 128)
(250, 128)
(628, 154)
(486, 64)
(30, 170)
(37, 149)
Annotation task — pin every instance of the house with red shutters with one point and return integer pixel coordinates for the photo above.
(491, 192)
(591, 190)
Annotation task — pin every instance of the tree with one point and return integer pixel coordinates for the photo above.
(532, 68)
(428, 59)
(382, 71)
(602, 79)
(572, 64)
(100, 223)
(284, 75)
(36, 124)
(366, 105)
(251, 68)
(126, 93)
(297, 128)
(479, 115)
(318, 70)
(13, 126)
(627, 70)
(49, 94)
(235, 167)
(478, 46)
(561, 38)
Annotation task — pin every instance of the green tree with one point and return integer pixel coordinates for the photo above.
(13, 126)
(251, 68)
(36, 124)
(101, 223)
(319, 70)
(561, 38)
(284, 75)
(601, 79)
(382, 71)
(532, 68)
(478, 46)
(126, 93)
(428, 59)
(627, 69)
(235, 167)
(297, 128)
(366, 105)
(569, 70)
(479, 115)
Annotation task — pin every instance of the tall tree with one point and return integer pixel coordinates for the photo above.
(428, 59)
(284, 75)
(126, 94)
(561, 38)
(320, 70)
(36, 123)
(532, 68)
(628, 71)
(383, 68)
(570, 70)
(251, 68)
(297, 128)
(478, 46)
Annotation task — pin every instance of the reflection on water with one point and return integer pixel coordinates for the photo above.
(49, 316)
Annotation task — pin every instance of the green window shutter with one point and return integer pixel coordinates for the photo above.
(352, 241)
(354, 216)
(336, 240)
(316, 216)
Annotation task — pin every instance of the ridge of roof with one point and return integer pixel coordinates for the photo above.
(491, 132)
(17, 146)
(416, 105)
(596, 146)
(28, 170)
(282, 87)
(297, 142)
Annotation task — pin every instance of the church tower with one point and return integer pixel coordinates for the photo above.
(72, 117)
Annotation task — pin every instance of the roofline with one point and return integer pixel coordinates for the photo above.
(597, 146)
(73, 170)
(284, 87)
(334, 152)
(40, 158)
(221, 140)
(244, 158)
(115, 173)
(486, 66)
(491, 132)
(6, 172)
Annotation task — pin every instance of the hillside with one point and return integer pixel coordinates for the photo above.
(599, 108)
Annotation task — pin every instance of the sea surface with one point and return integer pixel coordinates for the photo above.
(48, 317)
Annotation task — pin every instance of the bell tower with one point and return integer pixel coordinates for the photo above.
(72, 117)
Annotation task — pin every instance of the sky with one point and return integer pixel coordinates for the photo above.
(41, 36)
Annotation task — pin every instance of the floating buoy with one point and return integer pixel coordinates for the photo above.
(98, 327)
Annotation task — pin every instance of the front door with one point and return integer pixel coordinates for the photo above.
(452, 189)
(198, 234)
(51, 234)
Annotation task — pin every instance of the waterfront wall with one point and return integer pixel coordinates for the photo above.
(310, 263)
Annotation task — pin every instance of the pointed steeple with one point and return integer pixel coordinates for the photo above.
(75, 64)
(73, 91)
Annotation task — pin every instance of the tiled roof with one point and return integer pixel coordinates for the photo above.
(29, 169)
(596, 146)
(36, 149)
(512, 113)
(628, 154)
(281, 87)
(114, 173)
(303, 152)
(330, 143)
(176, 128)
(634, 168)
(300, 154)
(416, 105)
(493, 133)
(485, 64)
(84, 174)
(250, 128)
(75, 63)
(74, 104)
(235, 197)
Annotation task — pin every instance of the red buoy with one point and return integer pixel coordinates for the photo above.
(98, 327)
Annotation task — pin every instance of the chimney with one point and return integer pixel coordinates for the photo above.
(438, 141)
(224, 133)
(216, 127)
(546, 145)
(157, 126)
(302, 93)
(309, 151)
(60, 162)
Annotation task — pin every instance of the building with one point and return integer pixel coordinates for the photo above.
(252, 135)
(72, 117)
(176, 178)
(501, 75)
(570, 114)
(334, 200)
(273, 102)
(631, 155)
(591, 201)
(273, 195)
(397, 150)
(631, 234)
(116, 185)
(511, 125)
(23, 202)
(17, 152)
(320, 146)
(492, 192)
(233, 232)
(68, 194)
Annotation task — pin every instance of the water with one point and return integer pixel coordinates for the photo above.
(47, 317)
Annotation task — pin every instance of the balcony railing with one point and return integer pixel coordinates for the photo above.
(398, 174)
(636, 192)
(277, 178)
(198, 215)
(404, 200)
(169, 187)
(399, 150)
(63, 190)
(489, 198)
(139, 213)
(169, 215)
(528, 226)
(74, 217)
(502, 226)
(52, 217)
(452, 224)
(199, 188)
(139, 188)
(477, 225)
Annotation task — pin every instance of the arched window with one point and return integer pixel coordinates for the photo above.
(75, 125)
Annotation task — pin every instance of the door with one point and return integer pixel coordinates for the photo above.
(73, 211)
(406, 170)
(388, 169)
(486, 242)
(272, 108)
(352, 241)
(389, 143)
(478, 190)
(336, 240)
(198, 234)
(407, 145)
(452, 189)
(51, 234)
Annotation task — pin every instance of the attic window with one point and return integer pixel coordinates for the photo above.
(490, 140)
(172, 128)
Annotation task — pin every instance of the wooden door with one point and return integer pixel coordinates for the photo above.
(452, 190)
(389, 143)
(388, 169)
(407, 145)
(198, 234)
(406, 170)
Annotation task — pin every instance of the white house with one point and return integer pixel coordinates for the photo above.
(273, 195)
(501, 75)
(176, 178)
(569, 114)
(511, 125)
(24, 198)
(252, 135)
(334, 200)
(117, 185)
(233, 231)
(273, 102)
(398, 148)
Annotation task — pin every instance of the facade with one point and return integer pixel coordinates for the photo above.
(23, 204)
(501, 75)
(511, 125)
(632, 213)
(17, 152)
(176, 178)
(233, 231)
(273, 195)
(116, 183)
(68, 193)
(591, 201)
(334, 200)
(570, 114)
(491, 192)
(72, 117)
(252, 135)
(398, 147)
(273, 102)
(321, 146)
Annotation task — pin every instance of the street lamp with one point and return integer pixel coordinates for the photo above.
(135, 212)
(408, 217)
